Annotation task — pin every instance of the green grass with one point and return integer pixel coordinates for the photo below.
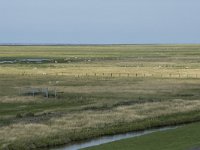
(97, 103)
(182, 138)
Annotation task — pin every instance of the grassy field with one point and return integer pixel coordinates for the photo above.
(183, 138)
(102, 90)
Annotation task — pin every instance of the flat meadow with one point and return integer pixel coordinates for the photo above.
(100, 90)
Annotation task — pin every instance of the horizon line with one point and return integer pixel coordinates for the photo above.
(90, 44)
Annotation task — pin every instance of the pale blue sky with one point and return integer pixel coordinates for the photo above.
(99, 21)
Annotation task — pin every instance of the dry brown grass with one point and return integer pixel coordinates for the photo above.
(18, 99)
(99, 70)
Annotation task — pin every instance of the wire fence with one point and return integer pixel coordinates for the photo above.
(114, 75)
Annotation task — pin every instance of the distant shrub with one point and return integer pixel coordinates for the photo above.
(19, 115)
(29, 114)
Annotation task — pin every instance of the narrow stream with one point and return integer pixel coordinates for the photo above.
(29, 60)
(111, 138)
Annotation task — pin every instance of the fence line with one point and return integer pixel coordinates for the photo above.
(112, 75)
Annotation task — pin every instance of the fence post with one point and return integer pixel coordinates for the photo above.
(33, 93)
(19, 91)
(55, 93)
(47, 93)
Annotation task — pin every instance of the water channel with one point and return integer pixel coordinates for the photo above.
(110, 138)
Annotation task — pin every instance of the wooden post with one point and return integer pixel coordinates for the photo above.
(47, 93)
(55, 93)
(33, 93)
(111, 74)
(19, 91)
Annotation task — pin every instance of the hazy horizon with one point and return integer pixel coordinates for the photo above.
(99, 22)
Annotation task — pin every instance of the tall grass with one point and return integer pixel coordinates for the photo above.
(87, 124)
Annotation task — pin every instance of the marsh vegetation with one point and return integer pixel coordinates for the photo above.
(102, 90)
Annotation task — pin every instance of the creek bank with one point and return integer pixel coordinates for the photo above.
(111, 138)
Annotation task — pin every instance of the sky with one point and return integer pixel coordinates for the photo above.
(100, 21)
